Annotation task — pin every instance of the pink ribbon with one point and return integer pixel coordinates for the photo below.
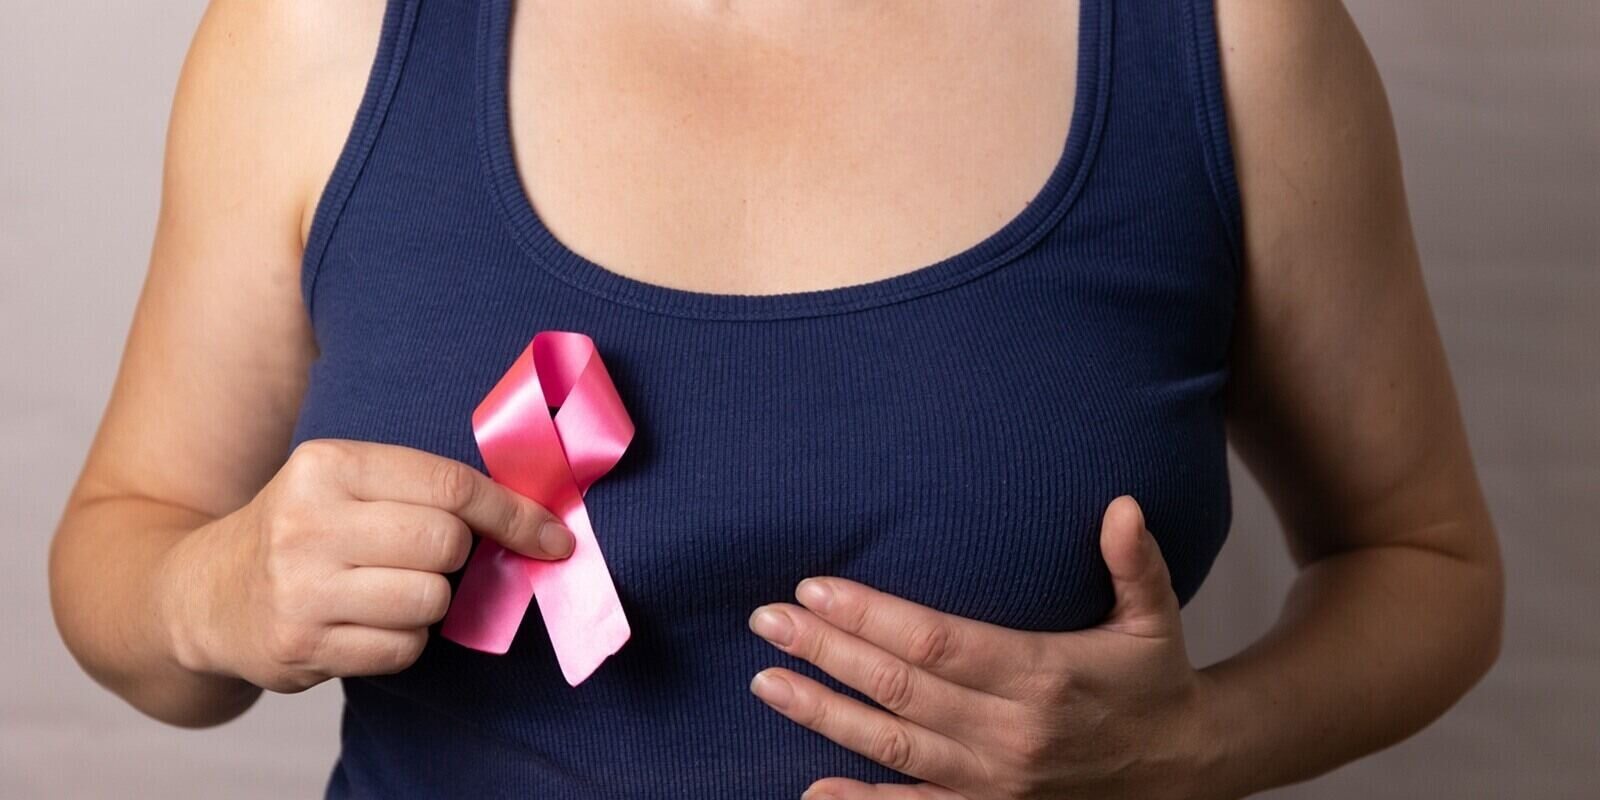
(552, 462)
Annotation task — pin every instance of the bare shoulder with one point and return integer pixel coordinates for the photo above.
(1310, 121)
(279, 81)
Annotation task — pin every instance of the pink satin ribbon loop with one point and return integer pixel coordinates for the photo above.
(552, 461)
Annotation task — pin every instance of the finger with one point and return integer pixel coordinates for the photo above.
(887, 679)
(975, 654)
(390, 472)
(383, 597)
(898, 744)
(386, 533)
(1145, 603)
(847, 789)
(361, 650)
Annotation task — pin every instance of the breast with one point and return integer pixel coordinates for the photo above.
(960, 459)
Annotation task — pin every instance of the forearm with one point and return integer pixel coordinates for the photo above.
(112, 582)
(1373, 644)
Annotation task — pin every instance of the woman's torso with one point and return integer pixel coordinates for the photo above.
(948, 432)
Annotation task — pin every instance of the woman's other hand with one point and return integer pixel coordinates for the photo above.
(981, 711)
(337, 567)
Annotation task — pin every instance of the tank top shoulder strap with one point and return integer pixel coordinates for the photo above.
(394, 38)
(1165, 148)
(1205, 81)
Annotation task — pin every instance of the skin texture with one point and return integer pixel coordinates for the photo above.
(728, 137)
(188, 571)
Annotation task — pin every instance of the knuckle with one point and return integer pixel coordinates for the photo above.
(521, 526)
(1030, 757)
(280, 525)
(930, 644)
(811, 642)
(291, 508)
(852, 615)
(809, 710)
(889, 683)
(404, 651)
(447, 545)
(1030, 742)
(292, 643)
(1056, 684)
(891, 747)
(295, 681)
(288, 526)
(1065, 681)
(452, 485)
(315, 457)
(1161, 576)
(1042, 676)
(1158, 564)
(434, 599)
(456, 549)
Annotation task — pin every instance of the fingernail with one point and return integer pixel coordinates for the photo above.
(772, 625)
(773, 690)
(815, 595)
(555, 539)
(812, 794)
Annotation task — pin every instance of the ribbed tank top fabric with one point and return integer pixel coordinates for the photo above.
(951, 435)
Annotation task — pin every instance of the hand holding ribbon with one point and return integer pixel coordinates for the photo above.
(552, 461)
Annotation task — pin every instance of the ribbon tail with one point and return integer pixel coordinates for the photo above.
(579, 602)
(491, 600)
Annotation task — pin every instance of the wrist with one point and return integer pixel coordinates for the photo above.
(182, 602)
(1217, 747)
(196, 689)
(1207, 752)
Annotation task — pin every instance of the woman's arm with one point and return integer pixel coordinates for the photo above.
(215, 363)
(1342, 406)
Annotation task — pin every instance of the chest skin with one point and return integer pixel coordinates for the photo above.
(761, 148)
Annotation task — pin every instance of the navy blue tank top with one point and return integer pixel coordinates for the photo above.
(951, 435)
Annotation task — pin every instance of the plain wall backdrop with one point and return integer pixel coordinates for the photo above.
(1498, 109)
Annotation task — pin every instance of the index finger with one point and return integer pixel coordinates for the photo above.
(406, 475)
(969, 652)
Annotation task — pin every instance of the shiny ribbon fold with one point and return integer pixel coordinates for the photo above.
(552, 461)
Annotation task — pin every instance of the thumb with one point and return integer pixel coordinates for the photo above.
(1145, 602)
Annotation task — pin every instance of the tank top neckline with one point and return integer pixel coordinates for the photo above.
(1048, 207)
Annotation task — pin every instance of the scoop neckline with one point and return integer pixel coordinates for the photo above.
(1048, 206)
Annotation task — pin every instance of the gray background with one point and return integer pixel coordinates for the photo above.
(1497, 109)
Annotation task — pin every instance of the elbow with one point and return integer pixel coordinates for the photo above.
(1491, 638)
(127, 664)
(1483, 625)
(220, 705)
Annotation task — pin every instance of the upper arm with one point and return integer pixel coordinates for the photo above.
(216, 359)
(1341, 401)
